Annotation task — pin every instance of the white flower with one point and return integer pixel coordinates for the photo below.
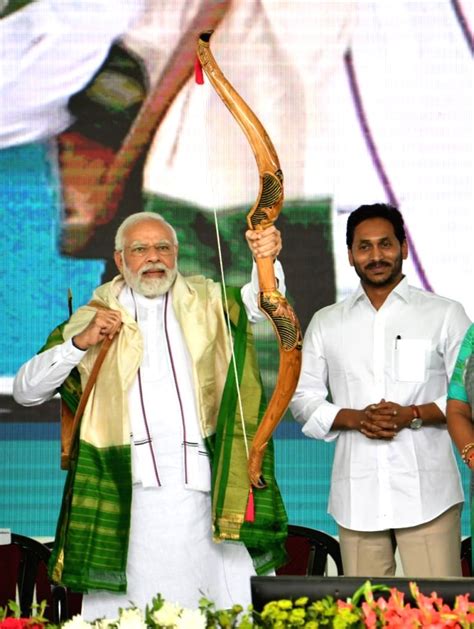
(167, 615)
(105, 623)
(131, 619)
(191, 619)
(77, 622)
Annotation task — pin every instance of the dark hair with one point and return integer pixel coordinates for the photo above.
(377, 210)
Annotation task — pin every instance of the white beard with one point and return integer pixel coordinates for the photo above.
(150, 287)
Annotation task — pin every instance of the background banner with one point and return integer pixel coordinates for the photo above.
(364, 102)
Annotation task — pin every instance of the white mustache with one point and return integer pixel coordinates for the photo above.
(156, 266)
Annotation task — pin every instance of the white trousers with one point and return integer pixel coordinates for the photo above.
(171, 552)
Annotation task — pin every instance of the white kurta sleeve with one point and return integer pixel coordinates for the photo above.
(250, 292)
(309, 405)
(39, 378)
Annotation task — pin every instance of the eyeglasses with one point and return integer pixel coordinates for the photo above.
(140, 251)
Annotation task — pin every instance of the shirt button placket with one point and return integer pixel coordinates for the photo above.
(379, 393)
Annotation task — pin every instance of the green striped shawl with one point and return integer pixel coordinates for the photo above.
(264, 538)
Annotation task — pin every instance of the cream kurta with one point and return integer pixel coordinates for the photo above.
(164, 507)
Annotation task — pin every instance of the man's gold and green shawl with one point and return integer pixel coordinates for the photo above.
(92, 535)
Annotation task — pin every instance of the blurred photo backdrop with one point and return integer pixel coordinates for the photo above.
(364, 102)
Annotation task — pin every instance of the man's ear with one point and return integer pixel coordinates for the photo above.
(349, 255)
(405, 249)
(118, 260)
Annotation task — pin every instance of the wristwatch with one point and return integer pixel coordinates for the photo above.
(416, 423)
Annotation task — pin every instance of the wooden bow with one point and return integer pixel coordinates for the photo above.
(263, 213)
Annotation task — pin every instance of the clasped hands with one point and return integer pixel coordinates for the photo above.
(384, 420)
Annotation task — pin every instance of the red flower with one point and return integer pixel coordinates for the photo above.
(19, 623)
(11, 623)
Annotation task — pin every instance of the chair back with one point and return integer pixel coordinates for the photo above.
(24, 578)
(24, 571)
(466, 557)
(308, 552)
(68, 604)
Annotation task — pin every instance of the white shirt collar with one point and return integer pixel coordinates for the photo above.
(402, 290)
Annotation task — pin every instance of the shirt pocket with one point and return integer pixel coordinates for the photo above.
(198, 467)
(412, 360)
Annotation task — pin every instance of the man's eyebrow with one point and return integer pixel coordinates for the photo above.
(370, 240)
(137, 243)
(163, 241)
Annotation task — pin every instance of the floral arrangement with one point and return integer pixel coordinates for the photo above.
(362, 611)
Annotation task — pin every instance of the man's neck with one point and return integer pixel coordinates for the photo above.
(378, 294)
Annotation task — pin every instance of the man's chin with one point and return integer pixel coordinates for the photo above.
(154, 287)
(379, 282)
(149, 287)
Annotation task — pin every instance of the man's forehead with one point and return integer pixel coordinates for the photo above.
(374, 229)
(148, 230)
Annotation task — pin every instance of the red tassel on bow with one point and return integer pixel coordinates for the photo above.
(198, 75)
(250, 510)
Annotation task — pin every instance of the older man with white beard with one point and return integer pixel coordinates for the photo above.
(152, 269)
(136, 515)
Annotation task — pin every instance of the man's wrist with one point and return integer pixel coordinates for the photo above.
(77, 345)
(416, 421)
(347, 419)
(355, 419)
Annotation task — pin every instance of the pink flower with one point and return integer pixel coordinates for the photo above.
(370, 617)
(463, 604)
(396, 600)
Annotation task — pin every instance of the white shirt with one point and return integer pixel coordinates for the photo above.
(404, 352)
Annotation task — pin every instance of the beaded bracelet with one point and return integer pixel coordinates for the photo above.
(465, 450)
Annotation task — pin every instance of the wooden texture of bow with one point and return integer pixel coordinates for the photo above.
(263, 213)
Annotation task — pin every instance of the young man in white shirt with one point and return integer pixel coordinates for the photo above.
(385, 355)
